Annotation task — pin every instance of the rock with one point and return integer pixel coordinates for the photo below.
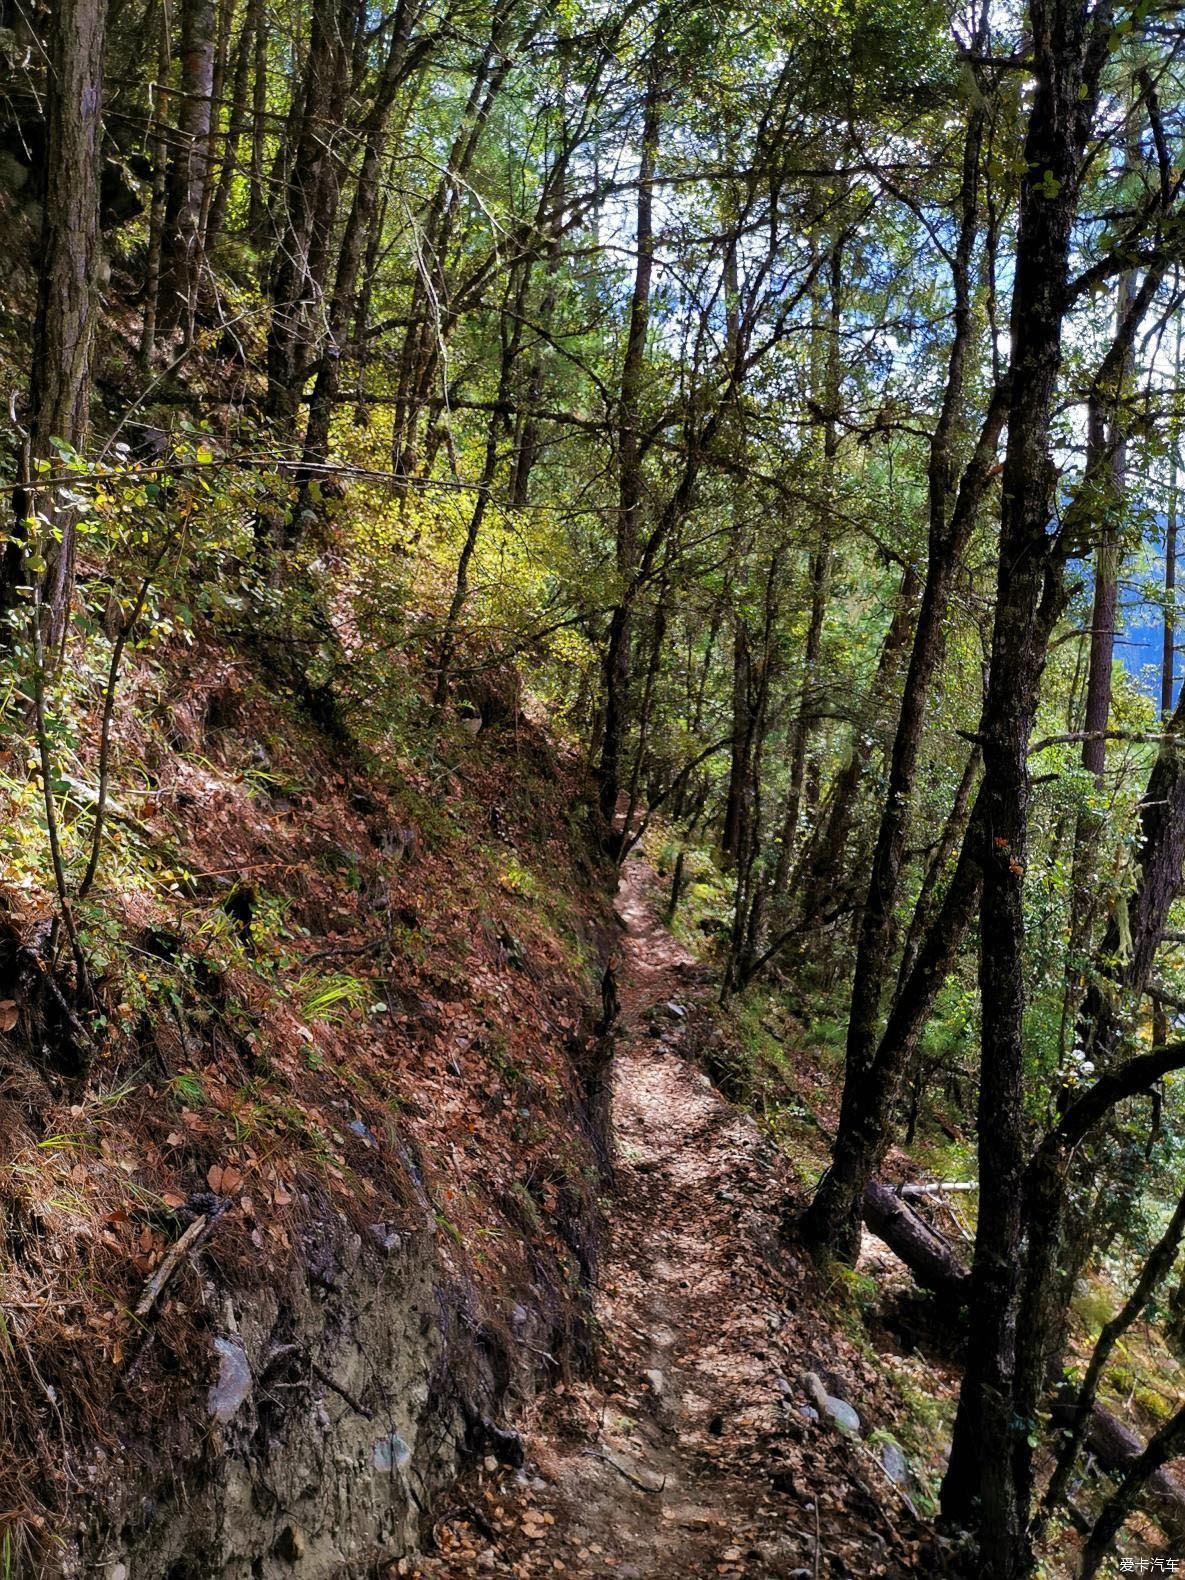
(783, 1387)
(291, 1544)
(390, 1452)
(486, 1560)
(657, 1382)
(808, 1411)
(489, 1464)
(675, 1011)
(893, 1462)
(386, 1238)
(843, 1415)
(117, 1572)
(234, 1381)
(837, 1411)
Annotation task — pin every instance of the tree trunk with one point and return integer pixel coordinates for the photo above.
(433, 307)
(946, 543)
(871, 1088)
(357, 231)
(828, 399)
(258, 208)
(296, 285)
(238, 119)
(1168, 662)
(67, 300)
(188, 171)
(988, 1480)
(160, 190)
(924, 1251)
(631, 479)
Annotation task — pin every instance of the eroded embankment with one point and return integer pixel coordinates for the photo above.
(301, 1207)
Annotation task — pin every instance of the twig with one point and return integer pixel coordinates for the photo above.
(339, 950)
(324, 1377)
(900, 1491)
(597, 1453)
(169, 1264)
(109, 693)
(43, 752)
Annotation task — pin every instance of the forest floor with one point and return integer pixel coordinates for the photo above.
(690, 1453)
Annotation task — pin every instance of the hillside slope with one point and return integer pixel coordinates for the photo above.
(327, 1201)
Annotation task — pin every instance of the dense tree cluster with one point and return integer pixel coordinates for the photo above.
(793, 393)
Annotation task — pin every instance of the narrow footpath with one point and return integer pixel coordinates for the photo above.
(694, 1451)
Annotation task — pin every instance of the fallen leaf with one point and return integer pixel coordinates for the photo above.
(8, 1016)
(223, 1179)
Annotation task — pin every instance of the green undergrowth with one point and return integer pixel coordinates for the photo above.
(341, 956)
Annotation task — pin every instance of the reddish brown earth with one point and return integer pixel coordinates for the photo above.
(689, 1453)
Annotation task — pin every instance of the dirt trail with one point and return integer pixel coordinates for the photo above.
(690, 1455)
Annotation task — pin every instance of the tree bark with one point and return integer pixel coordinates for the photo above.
(67, 300)
(188, 171)
(310, 191)
(872, 1085)
(401, 59)
(988, 1480)
(238, 120)
(630, 476)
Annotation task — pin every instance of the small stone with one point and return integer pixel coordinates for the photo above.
(118, 1572)
(675, 1011)
(657, 1382)
(894, 1462)
(385, 1238)
(365, 1132)
(842, 1415)
(489, 1464)
(783, 1387)
(234, 1381)
(838, 1411)
(808, 1411)
(486, 1559)
(390, 1453)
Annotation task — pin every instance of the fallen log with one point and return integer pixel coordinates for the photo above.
(935, 1266)
(1115, 1446)
(920, 1246)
